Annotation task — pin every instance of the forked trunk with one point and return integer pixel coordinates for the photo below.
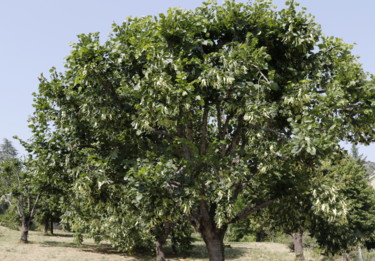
(214, 240)
(25, 229)
(298, 245)
(204, 222)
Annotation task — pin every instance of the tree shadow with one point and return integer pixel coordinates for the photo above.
(106, 249)
(59, 244)
(58, 235)
(199, 251)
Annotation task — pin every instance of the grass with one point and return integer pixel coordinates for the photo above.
(60, 247)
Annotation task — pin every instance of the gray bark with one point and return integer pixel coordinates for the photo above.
(25, 229)
(298, 245)
(360, 253)
(160, 255)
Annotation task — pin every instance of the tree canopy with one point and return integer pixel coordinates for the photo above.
(191, 111)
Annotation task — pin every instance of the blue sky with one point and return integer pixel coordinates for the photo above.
(35, 36)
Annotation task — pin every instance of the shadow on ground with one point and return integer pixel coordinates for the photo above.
(101, 248)
(51, 243)
(200, 251)
(59, 235)
(197, 252)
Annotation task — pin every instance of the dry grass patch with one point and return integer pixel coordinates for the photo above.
(60, 247)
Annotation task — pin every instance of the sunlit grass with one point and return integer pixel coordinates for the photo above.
(61, 247)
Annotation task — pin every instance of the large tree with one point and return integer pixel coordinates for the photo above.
(209, 104)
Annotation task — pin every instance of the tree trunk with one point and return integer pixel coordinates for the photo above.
(214, 239)
(161, 234)
(213, 236)
(298, 246)
(160, 255)
(215, 246)
(51, 226)
(46, 226)
(360, 257)
(260, 236)
(25, 229)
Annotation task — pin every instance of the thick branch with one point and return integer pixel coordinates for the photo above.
(251, 209)
(219, 120)
(203, 141)
(226, 124)
(279, 134)
(189, 130)
(203, 209)
(32, 213)
(236, 136)
(21, 208)
(185, 148)
(170, 136)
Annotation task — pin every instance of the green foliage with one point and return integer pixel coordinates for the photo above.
(360, 197)
(17, 188)
(10, 220)
(197, 114)
(258, 228)
(370, 166)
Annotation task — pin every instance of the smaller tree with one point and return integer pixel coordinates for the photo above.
(7, 150)
(351, 178)
(50, 211)
(17, 191)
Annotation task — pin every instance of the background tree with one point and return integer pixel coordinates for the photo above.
(218, 100)
(370, 166)
(50, 211)
(353, 184)
(18, 192)
(7, 150)
(316, 198)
